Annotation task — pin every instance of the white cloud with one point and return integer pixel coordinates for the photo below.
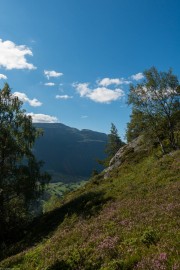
(63, 97)
(105, 95)
(49, 84)
(13, 56)
(84, 116)
(43, 118)
(137, 76)
(2, 76)
(82, 88)
(99, 94)
(107, 81)
(52, 73)
(23, 97)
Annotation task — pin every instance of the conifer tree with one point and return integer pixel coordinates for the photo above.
(114, 142)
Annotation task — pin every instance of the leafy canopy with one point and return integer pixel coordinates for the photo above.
(156, 108)
(21, 180)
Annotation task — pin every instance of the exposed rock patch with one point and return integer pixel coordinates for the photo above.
(133, 147)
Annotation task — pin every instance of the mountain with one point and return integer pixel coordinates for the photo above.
(69, 153)
(126, 218)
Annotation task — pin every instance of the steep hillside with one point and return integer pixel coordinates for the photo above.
(70, 154)
(127, 221)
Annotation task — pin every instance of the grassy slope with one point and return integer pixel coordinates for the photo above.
(129, 221)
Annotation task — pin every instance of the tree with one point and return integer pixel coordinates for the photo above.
(114, 143)
(21, 181)
(136, 126)
(156, 102)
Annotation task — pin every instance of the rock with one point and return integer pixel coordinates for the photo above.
(135, 146)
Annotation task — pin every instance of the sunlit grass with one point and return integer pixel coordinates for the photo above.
(128, 221)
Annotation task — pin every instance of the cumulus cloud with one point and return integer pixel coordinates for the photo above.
(23, 97)
(137, 76)
(13, 56)
(63, 97)
(49, 84)
(105, 95)
(107, 81)
(2, 76)
(52, 73)
(43, 118)
(99, 94)
(82, 88)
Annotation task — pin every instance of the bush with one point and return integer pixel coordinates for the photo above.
(149, 237)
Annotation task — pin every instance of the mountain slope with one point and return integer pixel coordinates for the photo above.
(126, 221)
(69, 152)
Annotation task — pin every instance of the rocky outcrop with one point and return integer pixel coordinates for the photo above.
(133, 147)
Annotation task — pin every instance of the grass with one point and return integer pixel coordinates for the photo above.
(56, 191)
(128, 221)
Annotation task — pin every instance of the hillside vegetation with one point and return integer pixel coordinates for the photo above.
(126, 218)
(127, 221)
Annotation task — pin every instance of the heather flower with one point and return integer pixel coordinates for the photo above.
(176, 266)
(157, 263)
(108, 243)
(108, 247)
(163, 257)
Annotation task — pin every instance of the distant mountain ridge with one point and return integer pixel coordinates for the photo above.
(69, 152)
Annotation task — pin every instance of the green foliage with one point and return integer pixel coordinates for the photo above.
(156, 109)
(127, 264)
(77, 259)
(127, 222)
(21, 181)
(136, 126)
(149, 237)
(56, 191)
(114, 143)
(94, 173)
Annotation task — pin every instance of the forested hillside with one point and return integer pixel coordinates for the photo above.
(70, 154)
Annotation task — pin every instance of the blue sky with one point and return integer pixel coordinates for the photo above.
(71, 61)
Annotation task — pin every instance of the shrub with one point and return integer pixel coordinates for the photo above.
(149, 237)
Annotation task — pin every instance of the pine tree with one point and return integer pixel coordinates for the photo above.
(114, 142)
